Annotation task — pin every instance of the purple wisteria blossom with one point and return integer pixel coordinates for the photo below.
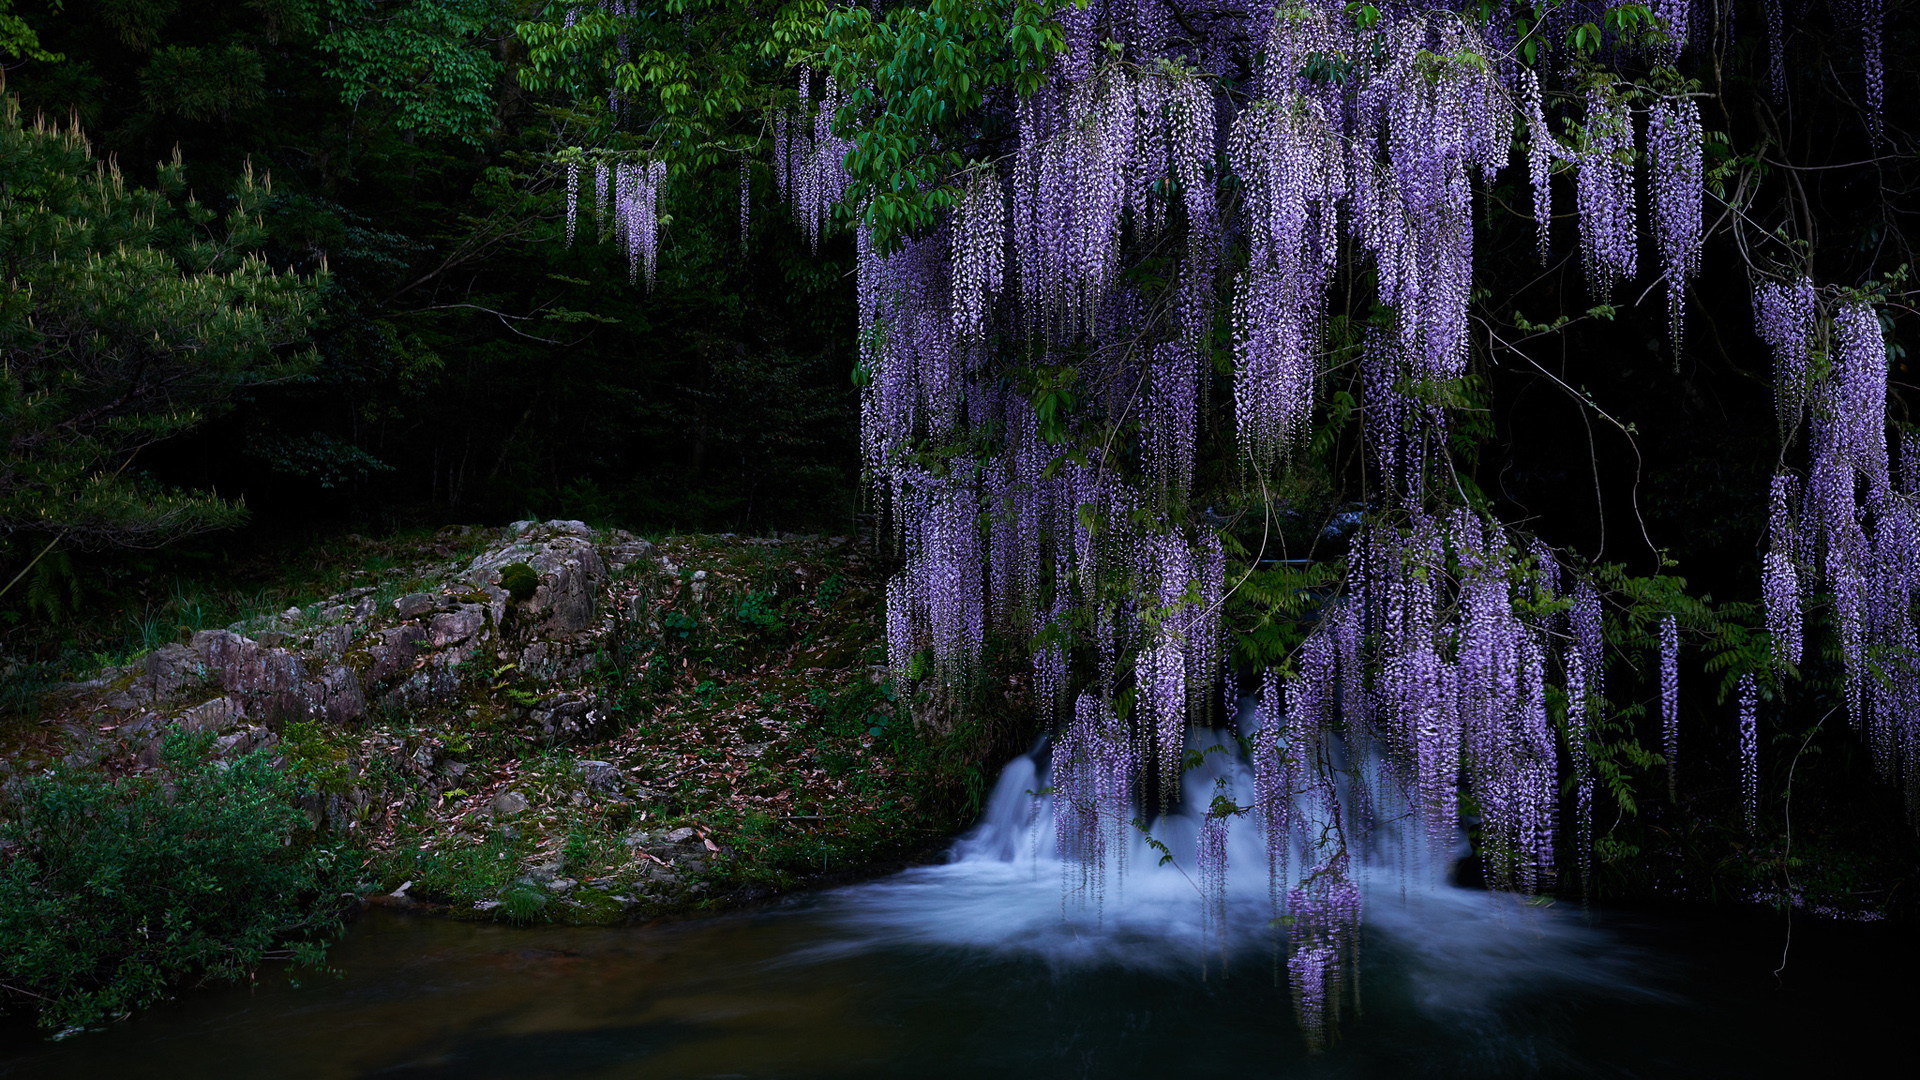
(1750, 752)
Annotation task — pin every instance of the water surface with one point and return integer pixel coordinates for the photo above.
(987, 966)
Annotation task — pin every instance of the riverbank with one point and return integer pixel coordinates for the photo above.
(548, 722)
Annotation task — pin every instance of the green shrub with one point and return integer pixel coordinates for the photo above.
(759, 616)
(113, 893)
(519, 580)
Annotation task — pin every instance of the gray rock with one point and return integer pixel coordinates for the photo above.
(601, 775)
(395, 652)
(242, 742)
(574, 719)
(683, 835)
(413, 604)
(457, 625)
(169, 669)
(216, 715)
(332, 641)
(509, 803)
(570, 571)
(277, 683)
(341, 698)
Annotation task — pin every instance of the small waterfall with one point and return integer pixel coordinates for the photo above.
(1005, 890)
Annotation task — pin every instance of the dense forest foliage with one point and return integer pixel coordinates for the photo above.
(485, 259)
(465, 364)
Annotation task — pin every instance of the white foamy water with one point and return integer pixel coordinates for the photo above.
(1005, 891)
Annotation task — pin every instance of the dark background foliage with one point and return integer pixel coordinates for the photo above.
(472, 366)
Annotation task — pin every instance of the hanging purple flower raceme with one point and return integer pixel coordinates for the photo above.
(1750, 752)
(902, 639)
(636, 214)
(1604, 193)
(956, 615)
(1858, 391)
(1580, 760)
(1094, 770)
(573, 198)
(1776, 50)
(1161, 696)
(1848, 584)
(1416, 136)
(746, 199)
(1675, 146)
(1508, 748)
(1676, 18)
(1670, 695)
(1542, 150)
(1780, 579)
(1785, 315)
(602, 195)
(1210, 858)
(1588, 636)
(1274, 771)
(1291, 163)
(979, 251)
(781, 183)
(1871, 17)
(1170, 418)
(811, 157)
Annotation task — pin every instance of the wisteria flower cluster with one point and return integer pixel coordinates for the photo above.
(1032, 404)
(630, 191)
(1427, 660)
(1857, 529)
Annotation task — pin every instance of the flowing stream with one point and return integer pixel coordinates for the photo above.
(987, 965)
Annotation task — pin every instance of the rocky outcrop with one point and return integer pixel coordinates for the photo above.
(347, 654)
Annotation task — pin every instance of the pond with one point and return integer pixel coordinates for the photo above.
(986, 966)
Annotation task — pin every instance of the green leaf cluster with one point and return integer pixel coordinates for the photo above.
(422, 64)
(915, 77)
(114, 893)
(128, 316)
